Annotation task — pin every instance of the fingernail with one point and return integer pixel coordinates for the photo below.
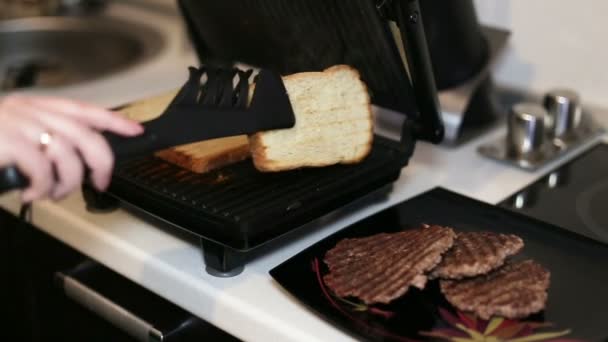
(27, 196)
(101, 185)
(135, 128)
(59, 193)
(138, 128)
(97, 184)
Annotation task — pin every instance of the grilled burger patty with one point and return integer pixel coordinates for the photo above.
(380, 268)
(514, 291)
(476, 253)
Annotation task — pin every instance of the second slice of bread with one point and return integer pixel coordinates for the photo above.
(199, 157)
(334, 123)
(207, 155)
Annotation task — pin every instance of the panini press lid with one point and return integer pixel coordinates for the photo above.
(293, 36)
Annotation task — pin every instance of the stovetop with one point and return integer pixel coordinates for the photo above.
(573, 196)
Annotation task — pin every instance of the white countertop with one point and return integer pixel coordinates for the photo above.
(250, 306)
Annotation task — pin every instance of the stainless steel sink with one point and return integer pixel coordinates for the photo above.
(47, 52)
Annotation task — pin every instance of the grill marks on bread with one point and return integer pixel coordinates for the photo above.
(334, 123)
(380, 268)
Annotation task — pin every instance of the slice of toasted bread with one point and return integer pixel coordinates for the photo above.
(334, 123)
(148, 108)
(208, 155)
(197, 157)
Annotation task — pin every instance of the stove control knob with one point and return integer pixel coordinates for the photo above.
(564, 113)
(526, 128)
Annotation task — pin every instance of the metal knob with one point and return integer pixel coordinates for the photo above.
(564, 112)
(526, 128)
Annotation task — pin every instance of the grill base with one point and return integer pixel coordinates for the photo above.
(237, 209)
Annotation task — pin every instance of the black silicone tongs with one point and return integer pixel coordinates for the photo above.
(213, 103)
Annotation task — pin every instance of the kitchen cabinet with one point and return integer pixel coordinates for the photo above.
(36, 308)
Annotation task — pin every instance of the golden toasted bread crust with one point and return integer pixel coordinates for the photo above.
(206, 163)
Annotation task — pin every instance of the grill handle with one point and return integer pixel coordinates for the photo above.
(429, 124)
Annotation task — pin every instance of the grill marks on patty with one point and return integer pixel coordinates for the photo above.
(476, 253)
(513, 291)
(380, 268)
(471, 266)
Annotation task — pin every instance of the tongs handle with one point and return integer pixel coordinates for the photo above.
(12, 179)
(125, 148)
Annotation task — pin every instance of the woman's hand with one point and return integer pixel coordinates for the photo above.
(71, 129)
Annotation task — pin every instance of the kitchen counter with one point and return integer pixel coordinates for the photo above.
(252, 306)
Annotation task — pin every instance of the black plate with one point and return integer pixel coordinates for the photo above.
(578, 296)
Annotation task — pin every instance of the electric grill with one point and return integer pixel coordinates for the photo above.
(235, 209)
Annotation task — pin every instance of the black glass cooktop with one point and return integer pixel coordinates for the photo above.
(574, 196)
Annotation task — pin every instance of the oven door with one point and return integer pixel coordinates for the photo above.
(50, 292)
(130, 308)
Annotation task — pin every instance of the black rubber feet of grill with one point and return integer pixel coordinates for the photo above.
(98, 202)
(220, 260)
